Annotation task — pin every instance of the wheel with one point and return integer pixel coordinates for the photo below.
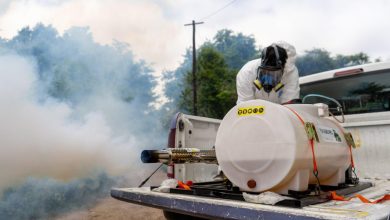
(176, 216)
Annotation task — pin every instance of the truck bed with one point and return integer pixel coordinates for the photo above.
(216, 208)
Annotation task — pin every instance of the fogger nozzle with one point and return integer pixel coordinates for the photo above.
(179, 155)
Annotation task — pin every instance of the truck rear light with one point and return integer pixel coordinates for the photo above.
(348, 72)
(171, 138)
(171, 143)
(171, 171)
(172, 131)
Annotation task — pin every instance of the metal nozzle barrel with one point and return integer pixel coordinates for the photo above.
(179, 155)
(154, 156)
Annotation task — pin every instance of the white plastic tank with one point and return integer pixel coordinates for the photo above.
(263, 146)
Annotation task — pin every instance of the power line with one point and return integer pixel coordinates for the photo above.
(219, 10)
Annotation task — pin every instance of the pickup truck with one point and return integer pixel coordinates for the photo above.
(369, 125)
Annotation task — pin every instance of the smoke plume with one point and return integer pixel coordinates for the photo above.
(74, 117)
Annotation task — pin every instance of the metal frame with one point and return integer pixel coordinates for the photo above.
(223, 190)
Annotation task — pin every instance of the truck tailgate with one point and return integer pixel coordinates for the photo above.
(229, 209)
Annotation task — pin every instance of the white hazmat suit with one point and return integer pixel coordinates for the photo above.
(245, 77)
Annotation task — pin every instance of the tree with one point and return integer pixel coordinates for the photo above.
(234, 49)
(314, 61)
(74, 69)
(319, 60)
(174, 80)
(350, 60)
(237, 49)
(216, 85)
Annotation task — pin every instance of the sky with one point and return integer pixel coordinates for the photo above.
(155, 29)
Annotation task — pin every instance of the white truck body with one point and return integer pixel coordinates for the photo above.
(195, 132)
(367, 118)
(367, 115)
(371, 130)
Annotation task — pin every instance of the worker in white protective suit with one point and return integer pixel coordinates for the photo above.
(274, 77)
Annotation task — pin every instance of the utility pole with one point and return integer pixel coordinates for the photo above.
(195, 110)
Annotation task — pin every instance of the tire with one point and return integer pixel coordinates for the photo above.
(176, 216)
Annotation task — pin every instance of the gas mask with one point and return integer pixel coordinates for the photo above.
(269, 80)
(269, 76)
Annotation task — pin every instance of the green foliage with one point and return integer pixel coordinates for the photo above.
(319, 60)
(174, 80)
(237, 49)
(218, 63)
(90, 77)
(174, 84)
(216, 85)
(350, 60)
(315, 60)
(44, 198)
(74, 68)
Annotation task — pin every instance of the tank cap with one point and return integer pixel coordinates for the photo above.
(323, 109)
(251, 183)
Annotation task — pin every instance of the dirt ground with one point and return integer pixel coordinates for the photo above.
(113, 209)
(109, 208)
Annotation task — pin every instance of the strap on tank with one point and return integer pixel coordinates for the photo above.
(312, 135)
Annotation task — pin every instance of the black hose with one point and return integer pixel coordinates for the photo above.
(146, 180)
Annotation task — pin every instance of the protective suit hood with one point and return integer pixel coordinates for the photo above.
(291, 54)
(248, 73)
